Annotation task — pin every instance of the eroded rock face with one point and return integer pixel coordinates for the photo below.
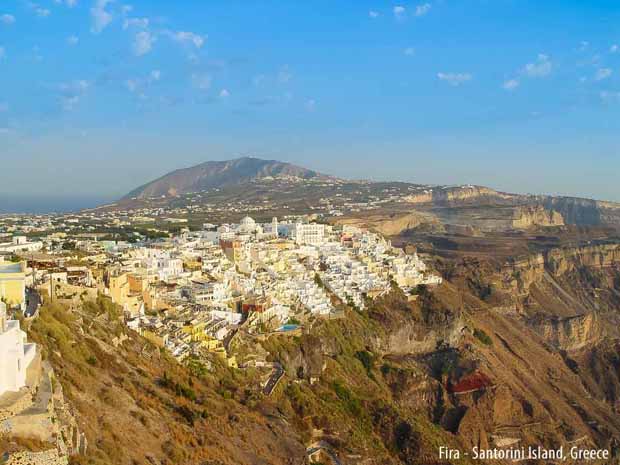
(530, 216)
(570, 333)
(393, 225)
(419, 339)
(442, 195)
(561, 261)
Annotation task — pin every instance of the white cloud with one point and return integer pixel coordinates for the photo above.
(73, 40)
(42, 12)
(540, 68)
(69, 3)
(139, 85)
(614, 48)
(409, 51)
(454, 79)
(186, 37)
(224, 93)
(511, 84)
(310, 104)
(142, 23)
(100, 17)
(610, 97)
(421, 10)
(72, 92)
(132, 85)
(399, 11)
(284, 75)
(7, 19)
(373, 14)
(70, 102)
(143, 43)
(584, 46)
(602, 73)
(201, 81)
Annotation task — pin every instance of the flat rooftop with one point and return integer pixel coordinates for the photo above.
(10, 268)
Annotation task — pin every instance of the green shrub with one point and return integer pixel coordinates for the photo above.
(483, 337)
(349, 401)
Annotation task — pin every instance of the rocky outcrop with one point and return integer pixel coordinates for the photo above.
(530, 216)
(561, 261)
(457, 194)
(570, 333)
(421, 339)
(49, 457)
(392, 225)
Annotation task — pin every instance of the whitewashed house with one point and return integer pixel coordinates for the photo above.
(15, 354)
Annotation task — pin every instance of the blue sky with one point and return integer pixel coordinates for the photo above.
(97, 97)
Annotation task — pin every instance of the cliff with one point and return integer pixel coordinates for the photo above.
(530, 216)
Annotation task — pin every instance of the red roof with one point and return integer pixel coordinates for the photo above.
(472, 382)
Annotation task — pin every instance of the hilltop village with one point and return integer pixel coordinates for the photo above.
(192, 292)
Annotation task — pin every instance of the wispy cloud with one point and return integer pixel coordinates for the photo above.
(399, 11)
(224, 93)
(310, 105)
(68, 3)
(423, 9)
(409, 51)
(454, 79)
(511, 84)
(72, 92)
(100, 16)
(40, 11)
(614, 48)
(139, 86)
(7, 19)
(73, 40)
(610, 97)
(542, 67)
(142, 23)
(373, 14)
(602, 73)
(2, 53)
(284, 75)
(202, 81)
(143, 43)
(186, 37)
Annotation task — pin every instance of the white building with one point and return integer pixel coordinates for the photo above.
(20, 244)
(309, 234)
(15, 354)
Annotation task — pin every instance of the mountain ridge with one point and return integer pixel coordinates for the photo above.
(215, 174)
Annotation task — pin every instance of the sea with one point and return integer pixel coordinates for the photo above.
(40, 204)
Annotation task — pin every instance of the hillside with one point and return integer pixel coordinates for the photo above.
(383, 386)
(217, 174)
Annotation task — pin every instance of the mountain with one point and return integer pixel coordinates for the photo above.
(217, 174)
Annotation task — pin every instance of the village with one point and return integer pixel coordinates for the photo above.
(192, 292)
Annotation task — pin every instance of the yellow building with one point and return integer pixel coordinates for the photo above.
(13, 283)
(122, 294)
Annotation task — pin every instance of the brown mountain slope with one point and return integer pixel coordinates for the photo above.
(136, 405)
(217, 174)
